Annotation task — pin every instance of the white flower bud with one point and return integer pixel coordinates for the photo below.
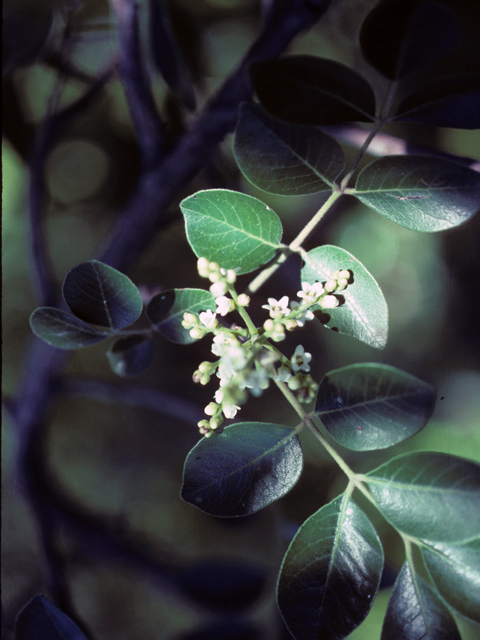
(243, 300)
(211, 409)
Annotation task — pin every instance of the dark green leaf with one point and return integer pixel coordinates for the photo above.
(331, 573)
(415, 612)
(420, 192)
(400, 36)
(373, 406)
(282, 158)
(63, 330)
(165, 311)
(131, 355)
(309, 90)
(41, 620)
(362, 312)
(455, 570)
(431, 496)
(235, 230)
(102, 295)
(243, 469)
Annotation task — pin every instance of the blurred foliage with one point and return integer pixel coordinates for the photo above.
(125, 464)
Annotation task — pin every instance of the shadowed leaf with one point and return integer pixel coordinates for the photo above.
(130, 356)
(63, 330)
(42, 620)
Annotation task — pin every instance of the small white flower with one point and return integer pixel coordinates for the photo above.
(224, 305)
(257, 381)
(230, 410)
(311, 292)
(328, 302)
(283, 374)
(208, 319)
(218, 288)
(277, 308)
(300, 359)
(307, 315)
(221, 343)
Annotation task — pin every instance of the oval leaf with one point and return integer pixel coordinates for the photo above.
(63, 330)
(282, 158)
(243, 469)
(420, 192)
(400, 36)
(455, 570)
(165, 311)
(130, 356)
(373, 406)
(102, 295)
(42, 620)
(363, 311)
(308, 90)
(235, 230)
(331, 573)
(431, 496)
(415, 612)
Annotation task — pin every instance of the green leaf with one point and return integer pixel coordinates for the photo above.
(415, 612)
(235, 230)
(331, 573)
(431, 496)
(63, 330)
(366, 407)
(243, 469)
(131, 355)
(400, 36)
(422, 193)
(309, 90)
(41, 620)
(363, 312)
(101, 295)
(282, 158)
(165, 311)
(455, 570)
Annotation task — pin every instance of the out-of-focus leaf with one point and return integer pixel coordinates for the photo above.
(362, 312)
(431, 496)
(63, 330)
(243, 469)
(165, 311)
(420, 192)
(226, 630)
(25, 29)
(131, 355)
(42, 620)
(235, 230)
(283, 158)
(373, 406)
(308, 90)
(101, 295)
(400, 36)
(455, 570)
(415, 612)
(331, 573)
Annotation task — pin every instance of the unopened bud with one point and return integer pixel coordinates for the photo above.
(243, 300)
(211, 409)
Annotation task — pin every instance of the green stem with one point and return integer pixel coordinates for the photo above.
(243, 312)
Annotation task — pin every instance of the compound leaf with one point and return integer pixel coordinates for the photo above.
(362, 312)
(415, 612)
(42, 620)
(309, 90)
(373, 406)
(231, 228)
(63, 330)
(331, 573)
(165, 311)
(243, 469)
(131, 355)
(283, 158)
(101, 295)
(420, 192)
(431, 496)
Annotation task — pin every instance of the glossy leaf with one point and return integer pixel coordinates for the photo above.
(243, 469)
(231, 228)
(415, 612)
(455, 570)
(331, 573)
(131, 355)
(373, 406)
(101, 295)
(444, 102)
(63, 330)
(420, 192)
(165, 311)
(363, 311)
(42, 620)
(431, 496)
(283, 158)
(400, 36)
(309, 90)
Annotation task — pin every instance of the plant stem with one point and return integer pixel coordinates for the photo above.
(243, 313)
